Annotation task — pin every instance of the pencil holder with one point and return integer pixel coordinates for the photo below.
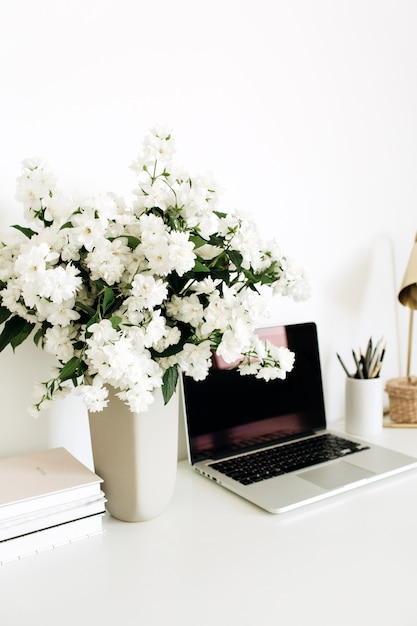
(363, 406)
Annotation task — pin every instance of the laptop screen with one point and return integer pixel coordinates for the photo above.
(227, 413)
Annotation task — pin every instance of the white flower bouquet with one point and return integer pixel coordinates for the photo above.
(127, 295)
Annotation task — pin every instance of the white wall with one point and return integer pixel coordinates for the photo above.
(305, 111)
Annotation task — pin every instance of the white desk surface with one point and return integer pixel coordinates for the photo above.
(213, 558)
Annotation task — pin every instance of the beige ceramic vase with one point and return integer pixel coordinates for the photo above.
(136, 455)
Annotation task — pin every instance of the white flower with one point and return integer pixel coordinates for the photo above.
(10, 295)
(219, 312)
(208, 252)
(102, 332)
(181, 252)
(158, 145)
(158, 148)
(284, 356)
(271, 361)
(171, 337)
(139, 399)
(206, 286)
(148, 292)
(151, 225)
(124, 293)
(87, 231)
(61, 314)
(255, 306)
(58, 341)
(134, 312)
(196, 360)
(155, 330)
(95, 396)
(10, 249)
(249, 368)
(187, 309)
(35, 187)
(235, 341)
(33, 261)
(106, 260)
(106, 207)
(59, 284)
(158, 194)
(295, 282)
(155, 249)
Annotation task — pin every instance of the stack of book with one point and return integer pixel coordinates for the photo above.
(47, 499)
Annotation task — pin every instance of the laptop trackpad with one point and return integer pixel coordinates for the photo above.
(336, 475)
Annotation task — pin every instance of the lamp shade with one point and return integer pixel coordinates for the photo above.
(408, 291)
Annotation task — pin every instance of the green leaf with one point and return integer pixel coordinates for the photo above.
(220, 262)
(108, 298)
(26, 231)
(266, 280)
(132, 241)
(169, 383)
(217, 240)
(170, 351)
(73, 368)
(236, 258)
(85, 308)
(198, 241)
(200, 267)
(93, 320)
(115, 321)
(22, 335)
(178, 283)
(4, 314)
(39, 334)
(223, 275)
(14, 332)
(66, 225)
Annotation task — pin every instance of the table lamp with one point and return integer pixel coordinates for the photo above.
(408, 297)
(402, 392)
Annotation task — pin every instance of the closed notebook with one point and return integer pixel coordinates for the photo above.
(37, 480)
(50, 538)
(19, 525)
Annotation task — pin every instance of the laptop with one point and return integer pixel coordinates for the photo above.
(268, 441)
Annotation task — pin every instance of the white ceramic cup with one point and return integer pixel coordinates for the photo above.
(363, 406)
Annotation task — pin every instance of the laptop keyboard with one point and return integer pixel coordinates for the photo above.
(257, 466)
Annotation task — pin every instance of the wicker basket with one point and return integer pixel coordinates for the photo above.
(402, 393)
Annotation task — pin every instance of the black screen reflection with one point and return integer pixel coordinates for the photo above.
(227, 412)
